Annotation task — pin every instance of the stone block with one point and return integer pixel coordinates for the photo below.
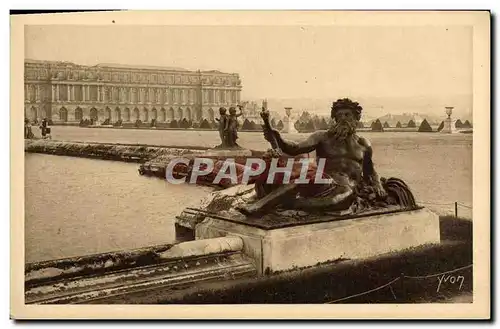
(307, 244)
(226, 153)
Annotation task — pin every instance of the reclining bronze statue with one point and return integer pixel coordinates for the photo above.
(348, 162)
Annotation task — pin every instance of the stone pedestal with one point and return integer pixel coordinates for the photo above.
(449, 126)
(226, 153)
(288, 126)
(307, 244)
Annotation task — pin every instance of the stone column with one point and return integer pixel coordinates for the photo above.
(102, 94)
(53, 93)
(57, 93)
(73, 93)
(68, 96)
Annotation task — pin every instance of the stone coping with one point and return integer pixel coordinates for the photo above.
(275, 221)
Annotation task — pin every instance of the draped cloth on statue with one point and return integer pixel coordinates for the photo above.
(363, 197)
(303, 169)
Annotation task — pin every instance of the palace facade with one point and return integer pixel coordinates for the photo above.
(67, 92)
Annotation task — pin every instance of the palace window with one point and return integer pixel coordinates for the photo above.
(116, 95)
(223, 96)
(176, 96)
(31, 93)
(170, 97)
(78, 93)
(151, 95)
(63, 93)
(93, 93)
(211, 96)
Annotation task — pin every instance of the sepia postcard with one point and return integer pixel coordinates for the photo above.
(250, 165)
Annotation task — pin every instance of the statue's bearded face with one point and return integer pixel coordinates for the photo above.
(344, 124)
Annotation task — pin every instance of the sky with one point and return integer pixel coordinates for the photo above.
(281, 61)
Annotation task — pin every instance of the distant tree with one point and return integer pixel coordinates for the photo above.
(316, 121)
(137, 123)
(467, 124)
(411, 124)
(246, 125)
(305, 116)
(459, 124)
(174, 124)
(280, 125)
(386, 125)
(205, 124)
(377, 126)
(425, 127)
(310, 126)
(441, 126)
(360, 125)
(298, 125)
(273, 122)
(323, 125)
(253, 125)
(398, 125)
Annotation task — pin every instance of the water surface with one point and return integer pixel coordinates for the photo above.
(80, 206)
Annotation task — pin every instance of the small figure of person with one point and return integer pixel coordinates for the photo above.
(232, 125)
(45, 129)
(28, 132)
(222, 125)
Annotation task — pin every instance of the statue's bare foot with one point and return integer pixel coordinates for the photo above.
(248, 210)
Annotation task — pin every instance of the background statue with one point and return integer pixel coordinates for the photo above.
(222, 126)
(232, 127)
(28, 131)
(228, 127)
